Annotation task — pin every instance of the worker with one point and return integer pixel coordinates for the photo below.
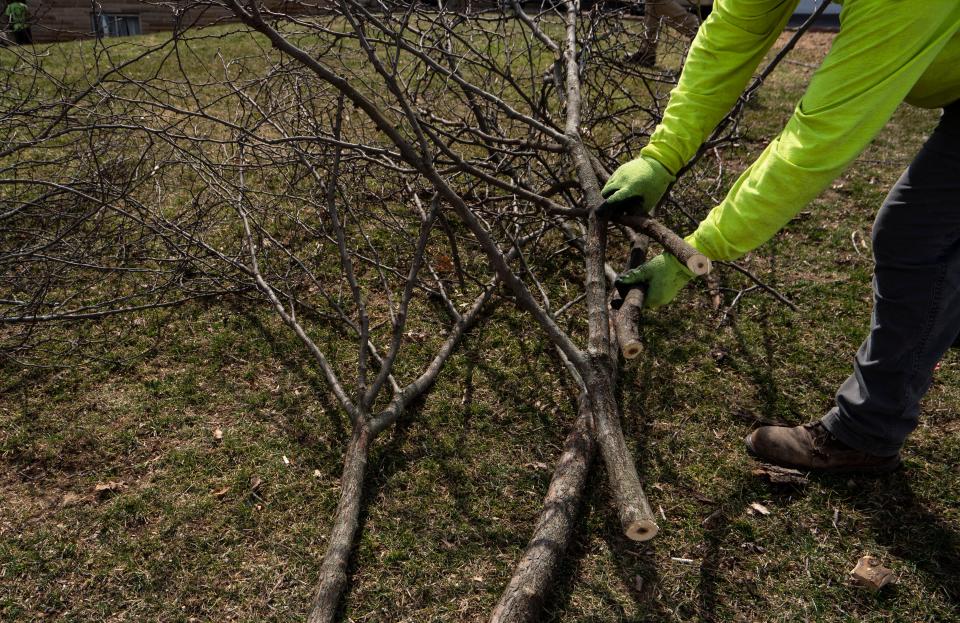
(16, 14)
(656, 13)
(886, 52)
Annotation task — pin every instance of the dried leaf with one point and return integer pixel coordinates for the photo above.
(444, 264)
(760, 508)
(702, 498)
(218, 434)
(221, 492)
(255, 482)
(71, 499)
(113, 486)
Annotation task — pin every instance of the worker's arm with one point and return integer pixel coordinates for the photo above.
(881, 51)
(722, 58)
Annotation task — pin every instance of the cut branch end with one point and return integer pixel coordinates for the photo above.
(642, 530)
(699, 264)
(631, 349)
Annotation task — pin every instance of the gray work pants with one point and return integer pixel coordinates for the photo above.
(916, 308)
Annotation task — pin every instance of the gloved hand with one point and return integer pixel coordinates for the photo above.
(640, 182)
(664, 276)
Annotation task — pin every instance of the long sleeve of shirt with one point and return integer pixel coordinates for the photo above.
(883, 51)
(722, 58)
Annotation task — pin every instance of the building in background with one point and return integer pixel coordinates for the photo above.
(57, 20)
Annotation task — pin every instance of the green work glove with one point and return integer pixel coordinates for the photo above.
(664, 276)
(638, 183)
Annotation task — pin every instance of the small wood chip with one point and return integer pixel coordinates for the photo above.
(780, 475)
(760, 508)
(870, 574)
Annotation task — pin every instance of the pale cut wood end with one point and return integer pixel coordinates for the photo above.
(642, 530)
(699, 264)
(631, 350)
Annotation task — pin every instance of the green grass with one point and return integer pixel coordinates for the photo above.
(454, 489)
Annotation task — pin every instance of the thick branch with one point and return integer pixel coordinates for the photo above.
(625, 310)
(333, 570)
(633, 508)
(532, 580)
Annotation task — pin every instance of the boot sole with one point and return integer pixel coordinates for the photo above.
(873, 470)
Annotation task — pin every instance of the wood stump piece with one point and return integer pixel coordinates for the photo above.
(870, 574)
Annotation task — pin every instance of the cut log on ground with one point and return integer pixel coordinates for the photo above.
(633, 509)
(533, 578)
(598, 365)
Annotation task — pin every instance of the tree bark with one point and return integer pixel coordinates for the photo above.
(333, 571)
(625, 309)
(633, 509)
(626, 323)
(531, 583)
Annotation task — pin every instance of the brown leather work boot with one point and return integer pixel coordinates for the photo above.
(812, 447)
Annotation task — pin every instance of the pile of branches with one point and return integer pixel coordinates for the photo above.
(383, 173)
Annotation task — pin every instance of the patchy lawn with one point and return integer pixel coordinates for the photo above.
(122, 501)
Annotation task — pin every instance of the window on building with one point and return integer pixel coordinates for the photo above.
(115, 24)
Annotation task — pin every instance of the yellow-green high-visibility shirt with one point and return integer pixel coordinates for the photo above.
(887, 52)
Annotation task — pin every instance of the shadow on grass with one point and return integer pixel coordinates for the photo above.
(384, 459)
(632, 560)
(716, 565)
(900, 521)
(389, 453)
